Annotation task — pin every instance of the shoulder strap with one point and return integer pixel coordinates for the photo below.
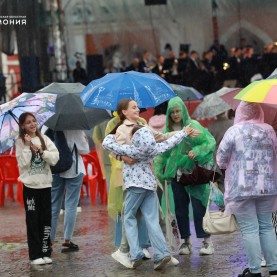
(76, 155)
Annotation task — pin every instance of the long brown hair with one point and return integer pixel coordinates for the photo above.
(22, 132)
(122, 105)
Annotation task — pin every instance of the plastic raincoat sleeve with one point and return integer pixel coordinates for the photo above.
(224, 151)
(206, 145)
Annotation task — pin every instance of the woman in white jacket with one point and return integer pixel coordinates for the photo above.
(35, 153)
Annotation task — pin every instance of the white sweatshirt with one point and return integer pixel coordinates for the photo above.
(35, 172)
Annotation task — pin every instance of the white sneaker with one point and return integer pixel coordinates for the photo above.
(162, 262)
(146, 253)
(79, 209)
(38, 261)
(174, 261)
(47, 260)
(263, 262)
(185, 249)
(61, 212)
(207, 249)
(122, 258)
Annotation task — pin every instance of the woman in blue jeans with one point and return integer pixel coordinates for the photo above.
(248, 153)
(69, 183)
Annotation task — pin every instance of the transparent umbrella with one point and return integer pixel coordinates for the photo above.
(212, 105)
(42, 106)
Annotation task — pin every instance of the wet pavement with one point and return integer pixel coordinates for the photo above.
(94, 235)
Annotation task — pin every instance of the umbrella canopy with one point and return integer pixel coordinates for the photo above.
(70, 112)
(42, 106)
(212, 105)
(264, 91)
(270, 112)
(147, 89)
(273, 75)
(229, 97)
(62, 88)
(186, 93)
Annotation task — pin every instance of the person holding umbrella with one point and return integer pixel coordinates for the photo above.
(35, 153)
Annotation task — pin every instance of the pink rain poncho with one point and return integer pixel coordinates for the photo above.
(248, 153)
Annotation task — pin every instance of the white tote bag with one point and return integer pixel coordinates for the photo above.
(216, 222)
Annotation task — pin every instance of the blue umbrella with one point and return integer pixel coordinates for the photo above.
(147, 89)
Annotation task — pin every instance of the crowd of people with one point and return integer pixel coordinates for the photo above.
(140, 160)
(206, 72)
(246, 154)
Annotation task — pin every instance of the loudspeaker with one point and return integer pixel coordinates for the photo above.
(155, 2)
(30, 73)
(94, 67)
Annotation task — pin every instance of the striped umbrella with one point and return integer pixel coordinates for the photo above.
(264, 91)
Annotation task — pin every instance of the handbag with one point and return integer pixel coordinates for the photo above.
(216, 222)
(199, 176)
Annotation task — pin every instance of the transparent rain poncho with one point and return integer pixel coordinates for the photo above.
(203, 146)
(248, 153)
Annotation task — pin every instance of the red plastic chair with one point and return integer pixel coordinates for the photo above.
(8, 175)
(90, 179)
(102, 186)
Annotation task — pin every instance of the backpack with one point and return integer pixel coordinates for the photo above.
(66, 160)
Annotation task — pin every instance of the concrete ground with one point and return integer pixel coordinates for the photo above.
(94, 235)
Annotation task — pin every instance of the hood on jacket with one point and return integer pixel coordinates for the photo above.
(176, 102)
(248, 112)
(144, 140)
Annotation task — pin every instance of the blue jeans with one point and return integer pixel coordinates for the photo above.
(71, 188)
(147, 202)
(258, 236)
(142, 230)
(182, 200)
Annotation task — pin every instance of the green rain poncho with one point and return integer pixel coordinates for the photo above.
(203, 146)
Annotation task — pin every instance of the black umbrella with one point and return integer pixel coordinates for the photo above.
(70, 112)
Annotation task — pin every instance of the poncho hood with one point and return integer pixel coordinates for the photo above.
(249, 113)
(173, 103)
